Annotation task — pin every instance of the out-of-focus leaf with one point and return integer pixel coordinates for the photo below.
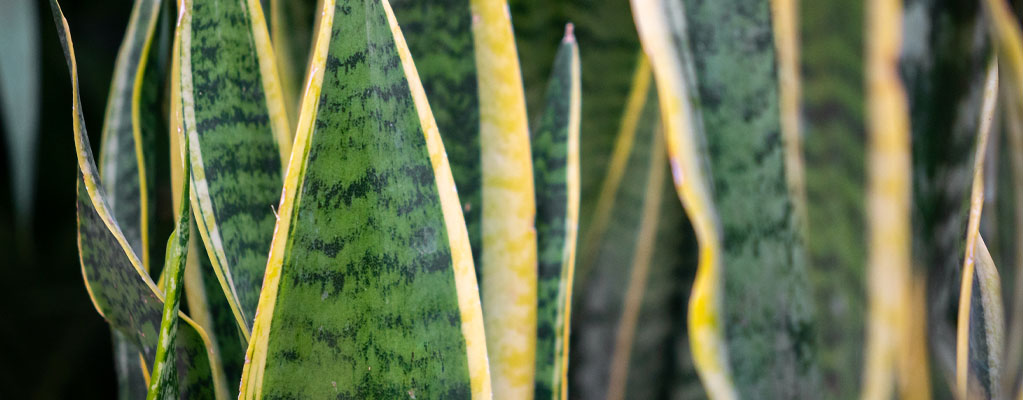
(785, 22)
(1008, 42)
(226, 97)
(555, 148)
(973, 359)
(19, 99)
(508, 251)
(439, 34)
(292, 23)
(665, 40)
(832, 95)
(888, 194)
(370, 290)
(163, 383)
(987, 326)
(119, 287)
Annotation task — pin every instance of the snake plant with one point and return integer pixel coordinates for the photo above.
(558, 199)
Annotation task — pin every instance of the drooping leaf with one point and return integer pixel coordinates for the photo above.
(226, 97)
(439, 37)
(119, 287)
(163, 381)
(966, 351)
(370, 290)
(663, 33)
(508, 259)
(555, 148)
(19, 99)
(292, 23)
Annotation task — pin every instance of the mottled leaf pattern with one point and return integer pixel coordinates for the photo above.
(120, 289)
(440, 38)
(370, 291)
(225, 83)
(555, 145)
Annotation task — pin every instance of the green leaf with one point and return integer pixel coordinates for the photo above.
(987, 321)
(439, 37)
(226, 97)
(163, 383)
(370, 290)
(19, 99)
(555, 148)
(292, 23)
(122, 292)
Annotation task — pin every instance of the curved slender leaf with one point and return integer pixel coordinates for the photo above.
(120, 289)
(224, 84)
(663, 33)
(440, 38)
(370, 290)
(555, 145)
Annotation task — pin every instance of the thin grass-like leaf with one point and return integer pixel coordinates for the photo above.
(120, 289)
(555, 148)
(226, 98)
(163, 383)
(370, 290)
(508, 252)
(439, 34)
(888, 199)
(662, 31)
(963, 369)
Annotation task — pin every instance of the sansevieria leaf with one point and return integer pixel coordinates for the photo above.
(555, 145)
(163, 383)
(508, 259)
(663, 34)
(119, 287)
(292, 23)
(975, 359)
(370, 290)
(439, 34)
(224, 82)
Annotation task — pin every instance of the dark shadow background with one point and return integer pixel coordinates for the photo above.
(53, 343)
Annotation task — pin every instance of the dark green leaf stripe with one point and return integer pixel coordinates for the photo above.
(120, 289)
(555, 149)
(231, 113)
(439, 34)
(369, 290)
(767, 307)
(163, 383)
(833, 84)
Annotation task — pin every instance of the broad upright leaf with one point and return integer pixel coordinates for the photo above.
(508, 255)
(370, 290)
(555, 145)
(965, 350)
(224, 82)
(439, 34)
(19, 99)
(120, 289)
(665, 39)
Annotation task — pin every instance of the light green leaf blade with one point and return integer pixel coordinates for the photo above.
(227, 99)
(439, 34)
(555, 149)
(120, 289)
(370, 290)
(163, 383)
(19, 99)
